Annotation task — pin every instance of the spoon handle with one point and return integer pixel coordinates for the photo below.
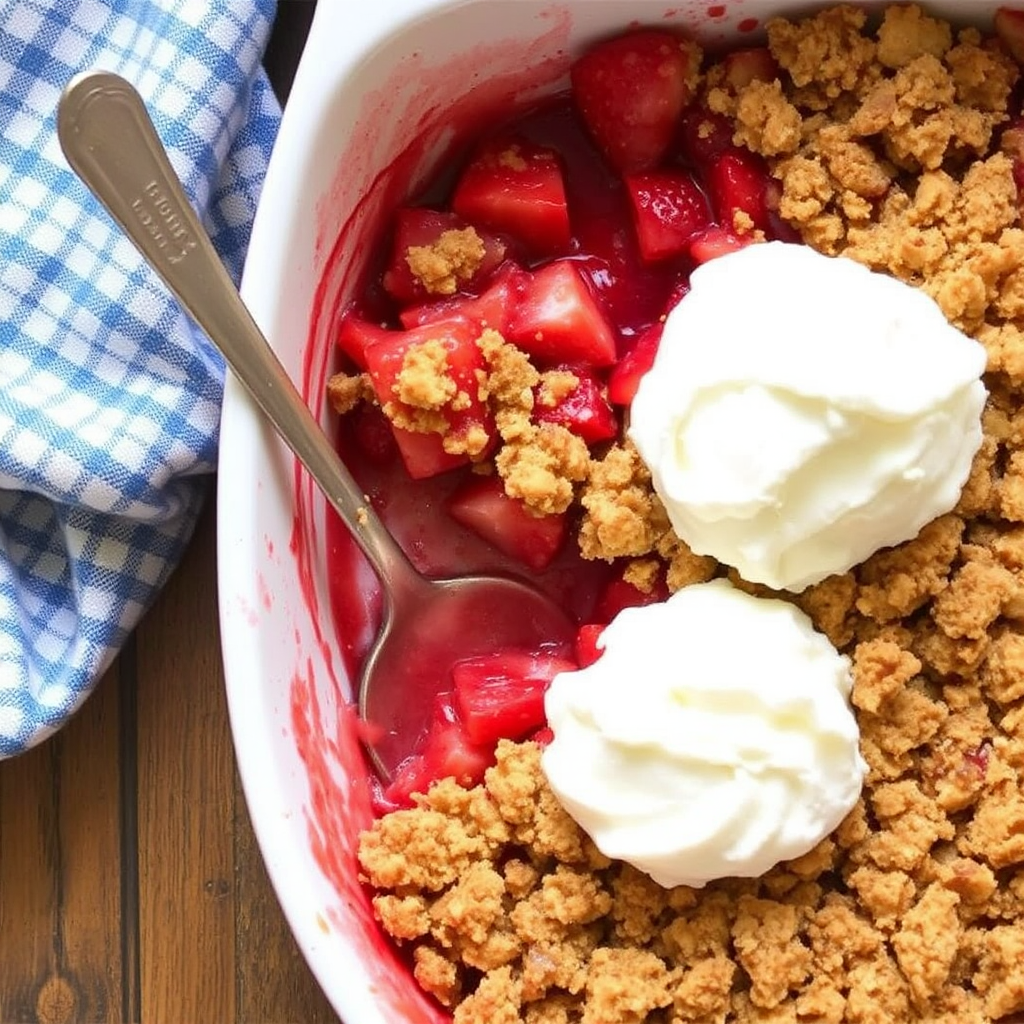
(110, 142)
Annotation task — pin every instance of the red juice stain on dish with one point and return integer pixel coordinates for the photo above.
(416, 107)
(718, 11)
(264, 592)
(336, 812)
(747, 25)
(248, 613)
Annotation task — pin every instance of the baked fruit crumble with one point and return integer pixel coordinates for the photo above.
(490, 364)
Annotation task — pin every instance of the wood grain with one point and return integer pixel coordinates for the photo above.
(131, 885)
(60, 897)
(185, 801)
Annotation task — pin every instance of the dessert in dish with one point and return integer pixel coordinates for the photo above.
(492, 362)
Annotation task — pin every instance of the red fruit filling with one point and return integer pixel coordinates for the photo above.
(630, 92)
(501, 334)
(516, 187)
(481, 505)
(501, 695)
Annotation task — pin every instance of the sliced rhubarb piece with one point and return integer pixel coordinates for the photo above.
(436, 253)
(738, 184)
(741, 67)
(704, 135)
(1009, 26)
(491, 308)
(630, 91)
(625, 377)
(481, 505)
(716, 241)
(466, 422)
(355, 333)
(558, 320)
(584, 410)
(514, 187)
(446, 752)
(668, 210)
(587, 650)
(619, 593)
(501, 695)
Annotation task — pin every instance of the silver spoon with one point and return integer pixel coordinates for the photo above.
(110, 142)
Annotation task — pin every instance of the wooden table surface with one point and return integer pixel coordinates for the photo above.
(131, 885)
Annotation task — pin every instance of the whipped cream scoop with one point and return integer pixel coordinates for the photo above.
(712, 738)
(804, 411)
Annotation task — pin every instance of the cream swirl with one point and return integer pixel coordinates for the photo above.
(804, 412)
(712, 737)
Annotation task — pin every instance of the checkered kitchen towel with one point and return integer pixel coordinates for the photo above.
(109, 396)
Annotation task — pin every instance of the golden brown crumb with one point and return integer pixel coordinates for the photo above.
(541, 466)
(452, 260)
(556, 385)
(423, 381)
(766, 121)
(881, 137)
(622, 515)
(642, 573)
(345, 391)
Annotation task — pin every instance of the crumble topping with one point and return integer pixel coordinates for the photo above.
(623, 517)
(345, 391)
(555, 385)
(913, 909)
(453, 259)
(424, 381)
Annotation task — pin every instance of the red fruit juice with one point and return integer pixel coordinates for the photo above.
(633, 294)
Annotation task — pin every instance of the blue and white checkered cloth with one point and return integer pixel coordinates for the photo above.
(109, 396)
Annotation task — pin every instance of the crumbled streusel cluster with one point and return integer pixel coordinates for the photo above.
(887, 146)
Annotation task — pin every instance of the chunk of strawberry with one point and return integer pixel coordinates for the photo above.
(446, 752)
(515, 187)
(481, 505)
(355, 333)
(716, 241)
(668, 210)
(1011, 142)
(625, 377)
(741, 67)
(491, 308)
(1009, 26)
(704, 135)
(424, 455)
(436, 236)
(543, 736)
(557, 319)
(584, 410)
(501, 695)
(428, 453)
(738, 184)
(619, 593)
(587, 651)
(630, 91)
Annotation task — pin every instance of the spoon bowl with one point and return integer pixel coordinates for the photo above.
(110, 142)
